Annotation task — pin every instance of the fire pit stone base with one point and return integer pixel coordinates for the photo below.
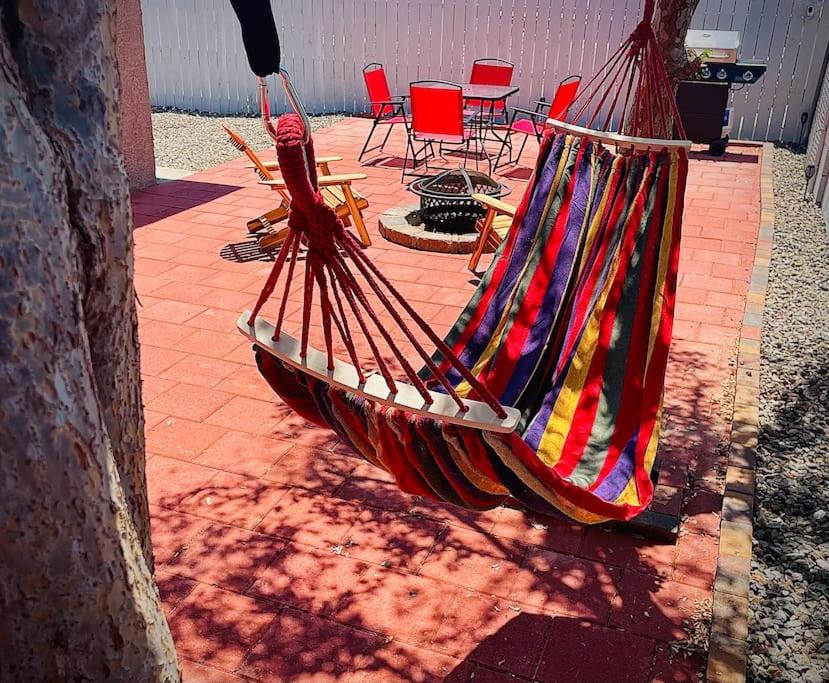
(395, 228)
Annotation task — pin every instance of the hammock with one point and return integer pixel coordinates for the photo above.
(549, 386)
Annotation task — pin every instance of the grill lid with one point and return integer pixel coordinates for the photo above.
(717, 46)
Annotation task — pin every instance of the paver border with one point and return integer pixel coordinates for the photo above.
(728, 641)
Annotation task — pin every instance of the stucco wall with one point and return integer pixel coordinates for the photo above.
(136, 123)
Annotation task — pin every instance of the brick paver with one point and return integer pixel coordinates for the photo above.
(281, 556)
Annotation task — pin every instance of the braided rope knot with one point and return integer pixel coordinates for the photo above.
(642, 34)
(320, 226)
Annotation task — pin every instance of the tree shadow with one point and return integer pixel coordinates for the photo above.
(736, 157)
(169, 198)
(323, 567)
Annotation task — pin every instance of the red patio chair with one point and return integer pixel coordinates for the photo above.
(437, 116)
(386, 109)
(536, 121)
(489, 71)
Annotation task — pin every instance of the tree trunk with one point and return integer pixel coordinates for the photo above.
(672, 20)
(76, 584)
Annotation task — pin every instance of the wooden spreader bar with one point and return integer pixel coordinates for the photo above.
(344, 375)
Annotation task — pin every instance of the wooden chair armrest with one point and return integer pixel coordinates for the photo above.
(274, 165)
(339, 179)
(322, 181)
(495, 204)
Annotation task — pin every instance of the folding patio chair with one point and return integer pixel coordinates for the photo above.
(387, 110)
(536, 121)
(489, 71)
(335, 189)
(492, 228)
(437, 117)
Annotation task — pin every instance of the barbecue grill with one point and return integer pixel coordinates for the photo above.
(703, 101)
(446, 203)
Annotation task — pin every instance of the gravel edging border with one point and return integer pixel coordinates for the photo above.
(728, 646)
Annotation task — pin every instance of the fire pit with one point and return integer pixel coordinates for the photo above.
(445, 220)
(446, 203)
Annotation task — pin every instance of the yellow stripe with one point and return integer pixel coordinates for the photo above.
(539, 488)
(631, 493)
(472, 473)
(597, 219)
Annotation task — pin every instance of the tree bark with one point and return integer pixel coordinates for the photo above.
(76, 587)
(671, 24)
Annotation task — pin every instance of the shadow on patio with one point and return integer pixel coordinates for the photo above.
(322, 566)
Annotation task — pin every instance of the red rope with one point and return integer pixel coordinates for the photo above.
(345, 332)
(637, 68)
(481, 390)
(288, 281)
(270, 283)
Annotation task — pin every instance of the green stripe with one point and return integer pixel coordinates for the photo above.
(613, 383)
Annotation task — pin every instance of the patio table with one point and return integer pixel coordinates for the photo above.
(488, 95)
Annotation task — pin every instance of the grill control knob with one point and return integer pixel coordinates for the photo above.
(748, 76)
(705, 73)
(722, 74)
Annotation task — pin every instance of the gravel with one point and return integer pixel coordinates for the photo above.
(790, 569)
(195, 141)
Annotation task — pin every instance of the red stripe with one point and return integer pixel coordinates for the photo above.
(591, 281)
(476, 451)
(655, 379)
(408, 478)
(552, 480)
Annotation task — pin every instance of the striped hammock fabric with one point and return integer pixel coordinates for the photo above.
(571, 325)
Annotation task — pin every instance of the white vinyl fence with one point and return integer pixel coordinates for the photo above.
(195, 58)
(817, 153)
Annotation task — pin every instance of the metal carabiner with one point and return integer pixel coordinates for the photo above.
(265, 108)
(293, 99)
(296, 103)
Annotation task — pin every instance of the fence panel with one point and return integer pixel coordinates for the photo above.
(195, 58)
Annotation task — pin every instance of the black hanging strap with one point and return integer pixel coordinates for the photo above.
(258, 35)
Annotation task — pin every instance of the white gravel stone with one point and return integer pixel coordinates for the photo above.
(195, 141)
(790, 581)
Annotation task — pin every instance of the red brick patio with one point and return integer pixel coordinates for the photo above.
(281, 556)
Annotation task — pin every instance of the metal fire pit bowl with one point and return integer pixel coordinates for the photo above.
(446, 203)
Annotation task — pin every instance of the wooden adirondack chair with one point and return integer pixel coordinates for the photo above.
(335, 189)
(492, 228)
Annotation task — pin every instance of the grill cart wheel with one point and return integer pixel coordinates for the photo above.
(717, 148)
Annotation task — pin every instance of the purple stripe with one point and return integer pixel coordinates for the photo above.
(613, 485)
(538, 426)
